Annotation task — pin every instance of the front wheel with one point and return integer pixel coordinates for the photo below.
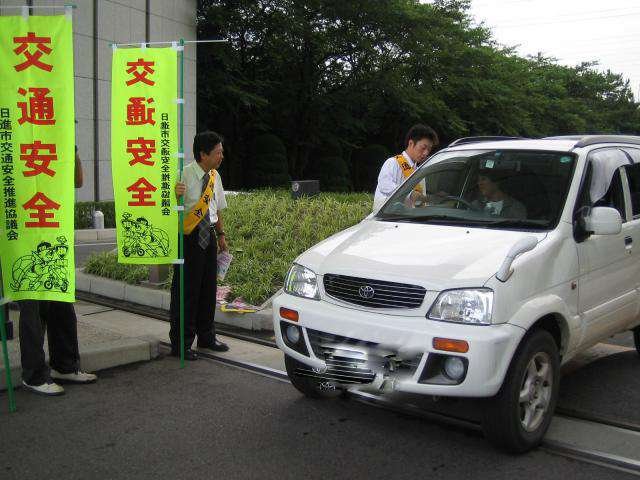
(312, 387)
(518, 417)
(636, 338)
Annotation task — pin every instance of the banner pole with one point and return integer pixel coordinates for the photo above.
(5, 351)
(181, 201)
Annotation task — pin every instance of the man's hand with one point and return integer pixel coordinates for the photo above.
(222, 244)
(180, 189)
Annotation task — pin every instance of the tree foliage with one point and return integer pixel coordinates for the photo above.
(319, 73)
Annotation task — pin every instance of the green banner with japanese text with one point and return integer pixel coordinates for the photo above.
(37, 140)
(144, 146)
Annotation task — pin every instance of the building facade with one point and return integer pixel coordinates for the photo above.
(97, 24)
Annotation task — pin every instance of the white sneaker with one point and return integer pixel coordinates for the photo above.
(75, 377)
(49, 389)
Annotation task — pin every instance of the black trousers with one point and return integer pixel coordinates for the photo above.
(59, 320)
(200, 284)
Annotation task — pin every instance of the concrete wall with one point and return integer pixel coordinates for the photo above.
(118, 21)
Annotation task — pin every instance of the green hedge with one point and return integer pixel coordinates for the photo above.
(105, 264)
(84, 214)
(266, 231)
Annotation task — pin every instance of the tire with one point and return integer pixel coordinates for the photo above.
(140, 252)
(48, 284)
(64, 285)
(636, 338)
(517, 418)
(126, 251)
(309, 386)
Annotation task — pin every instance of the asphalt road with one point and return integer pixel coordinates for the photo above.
(608, 387)
(154, 420)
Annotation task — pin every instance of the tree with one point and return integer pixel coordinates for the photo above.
(331, 72)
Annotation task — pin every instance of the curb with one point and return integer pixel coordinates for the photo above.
(90, 234)
(100, 356)
(160, 299)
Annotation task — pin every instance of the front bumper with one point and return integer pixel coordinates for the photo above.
(397, 350)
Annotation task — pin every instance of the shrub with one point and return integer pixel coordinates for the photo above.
(266, 231)
(333, 173)
(105, 264)
(367, 162)
(268, 163)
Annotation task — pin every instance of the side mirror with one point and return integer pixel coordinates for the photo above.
(603, 221)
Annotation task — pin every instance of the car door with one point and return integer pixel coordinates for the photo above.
(632, 172)
(607, 296)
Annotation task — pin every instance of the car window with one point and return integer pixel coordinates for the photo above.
(606, 182)
(633, 175)
(614, 196)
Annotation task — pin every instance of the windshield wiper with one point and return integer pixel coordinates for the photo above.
(422, 218)
(515, 222)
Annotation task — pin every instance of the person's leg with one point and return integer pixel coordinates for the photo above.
(62, 334)
(193, 269)
(34, 368)
(207, 302)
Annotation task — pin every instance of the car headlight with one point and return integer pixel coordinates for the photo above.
(472, 306)
(302, 282)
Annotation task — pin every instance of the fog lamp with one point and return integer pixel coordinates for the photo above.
(454, 368)
(293, 334)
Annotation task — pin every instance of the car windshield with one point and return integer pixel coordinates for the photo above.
(509, 189)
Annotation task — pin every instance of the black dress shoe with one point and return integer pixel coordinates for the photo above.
(188, 354)
(216, 346)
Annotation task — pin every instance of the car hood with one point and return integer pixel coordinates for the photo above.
(437, 257)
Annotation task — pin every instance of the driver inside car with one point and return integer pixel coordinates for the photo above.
(493, 200)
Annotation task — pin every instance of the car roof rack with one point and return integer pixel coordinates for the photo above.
(587, 140)
(465, 140)
(595, 139)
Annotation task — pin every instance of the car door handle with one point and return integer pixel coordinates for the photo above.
(628, 240)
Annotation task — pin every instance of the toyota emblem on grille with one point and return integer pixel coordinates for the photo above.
(366, 291)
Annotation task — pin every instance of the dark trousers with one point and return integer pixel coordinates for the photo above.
(200, 284)
(59, 320)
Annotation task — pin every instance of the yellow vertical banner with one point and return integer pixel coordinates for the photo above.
(144, 129)
(37, 158)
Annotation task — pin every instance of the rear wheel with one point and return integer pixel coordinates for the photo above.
(636, 338)
(310, 386)
(517, 418)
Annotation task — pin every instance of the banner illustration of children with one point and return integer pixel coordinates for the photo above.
(141, 239)
(45, 269)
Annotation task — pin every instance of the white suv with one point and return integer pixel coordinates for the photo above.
(493, 264)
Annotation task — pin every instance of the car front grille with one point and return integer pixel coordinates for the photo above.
(373, 293)
(353, 361)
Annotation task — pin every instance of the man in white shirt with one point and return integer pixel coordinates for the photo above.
(419, 142)
(200, 249)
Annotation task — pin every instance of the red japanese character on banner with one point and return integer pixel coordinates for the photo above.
(41, 204)
(140, 76)
(39, 163)
(141, 195)
(138, 113)
(39, 110)
(143, 152)
(32, 59)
